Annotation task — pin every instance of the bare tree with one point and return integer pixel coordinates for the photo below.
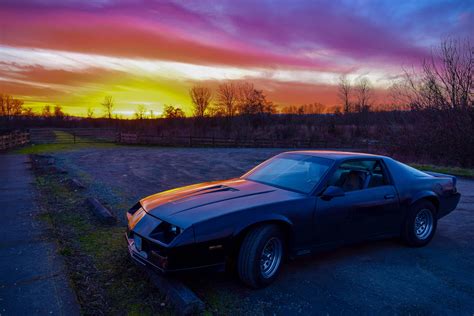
(108, 105)
(200, 98)
(3, 104)
(227, 98)
(28, 112)
(314, 108)
(10, 106)
(445, 80)
(252, 101)
(140, 113)
(292, 109)
(245, 92)
(46, 111)
(172, 112)
(58, 112)
(90, 112)
(311, 108)
(363, 91)
(344, 93)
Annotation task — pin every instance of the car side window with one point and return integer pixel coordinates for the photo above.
(361, 174)
(378, 176)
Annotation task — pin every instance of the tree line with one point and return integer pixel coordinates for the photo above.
(432, 119)
(443, 82)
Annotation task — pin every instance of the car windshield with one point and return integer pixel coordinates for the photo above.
(293, 172)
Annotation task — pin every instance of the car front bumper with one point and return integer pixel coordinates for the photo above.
(180, 261)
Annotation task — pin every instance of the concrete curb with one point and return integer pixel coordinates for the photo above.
(182, 298)
(102, 213)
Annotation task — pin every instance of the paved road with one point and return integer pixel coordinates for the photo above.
(382, 277)
(32, 274)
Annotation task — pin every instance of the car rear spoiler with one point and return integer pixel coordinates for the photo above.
(442, 175)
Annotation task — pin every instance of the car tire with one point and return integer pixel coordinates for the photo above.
(260, 256)
(420, 224)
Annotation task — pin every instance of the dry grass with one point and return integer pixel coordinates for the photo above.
(105, 280)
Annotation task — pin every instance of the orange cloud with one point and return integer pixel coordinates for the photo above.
(121, 35)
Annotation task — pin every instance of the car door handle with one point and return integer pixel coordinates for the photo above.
(389, 196)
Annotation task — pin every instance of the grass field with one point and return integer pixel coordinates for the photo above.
(66, 144)
(455, 171)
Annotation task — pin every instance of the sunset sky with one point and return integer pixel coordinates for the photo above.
(75, 52)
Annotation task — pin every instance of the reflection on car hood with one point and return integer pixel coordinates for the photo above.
(204, 196)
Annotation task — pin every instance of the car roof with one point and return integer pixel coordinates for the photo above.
(334, 154)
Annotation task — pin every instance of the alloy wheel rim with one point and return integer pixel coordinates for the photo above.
(271, 257)
(423, 224)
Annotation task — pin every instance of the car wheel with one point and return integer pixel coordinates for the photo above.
(260, 257)
(420, 224)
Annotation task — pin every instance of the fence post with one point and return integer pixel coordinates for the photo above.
(74, 137)
(190, 141)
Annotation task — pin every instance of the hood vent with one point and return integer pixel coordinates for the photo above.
(204, 191)
(216, 188)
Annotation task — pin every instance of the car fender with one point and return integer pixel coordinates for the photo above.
(263, 219)
(423, 195)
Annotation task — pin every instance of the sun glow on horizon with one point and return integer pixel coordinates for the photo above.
(75, 53)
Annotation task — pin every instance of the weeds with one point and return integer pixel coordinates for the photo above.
(105, 280)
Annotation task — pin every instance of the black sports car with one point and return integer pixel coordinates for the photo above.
(293, 204)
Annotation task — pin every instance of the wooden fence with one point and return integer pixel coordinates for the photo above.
(194, 141)
(72, 135)
(14, 139)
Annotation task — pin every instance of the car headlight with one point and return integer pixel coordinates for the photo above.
(166, 232)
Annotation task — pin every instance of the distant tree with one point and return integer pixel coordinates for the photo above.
(10, 106)
(46, 111)
(291, 109)
(216, 111)
(314, 108)
(311, 108)
(363, 91)
(28, 111)
(140, 113)
(227, 98)
(445, 81)
(344, 93)
(108, 105)
(172, 112)
(58, 112)
(90, 112)
(245, 96)
(253, 101)
(200, 98)
(152, 114)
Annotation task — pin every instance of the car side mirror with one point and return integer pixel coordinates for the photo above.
(332, 192)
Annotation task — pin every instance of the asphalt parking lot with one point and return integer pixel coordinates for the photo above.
(382, 277)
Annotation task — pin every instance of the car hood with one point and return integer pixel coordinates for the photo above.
(203, 200)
